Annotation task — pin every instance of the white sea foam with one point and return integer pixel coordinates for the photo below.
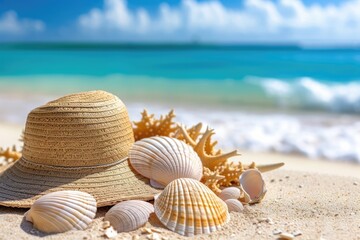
(309, 93)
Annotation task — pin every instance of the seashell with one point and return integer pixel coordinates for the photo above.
(156, 196)
(236, 193)
(244, 198)
(110, 233)
(253, 184)
(164, 159)
(129, 215)
(62, 211)
(230, 193)
(234, 205)
(188, 207)
(155, 184)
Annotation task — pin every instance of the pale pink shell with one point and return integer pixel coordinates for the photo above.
(253, 184)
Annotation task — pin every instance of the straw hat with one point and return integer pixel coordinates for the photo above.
(79, 142)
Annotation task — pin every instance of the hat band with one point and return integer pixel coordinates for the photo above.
(77, 167)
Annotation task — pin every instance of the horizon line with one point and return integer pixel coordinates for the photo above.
(70, 45)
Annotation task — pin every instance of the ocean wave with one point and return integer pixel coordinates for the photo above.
(309, 93)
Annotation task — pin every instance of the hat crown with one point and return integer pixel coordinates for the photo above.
(82, 129)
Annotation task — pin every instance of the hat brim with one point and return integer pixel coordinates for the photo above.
(24, 182)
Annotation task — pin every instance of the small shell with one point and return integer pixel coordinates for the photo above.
(234, 205)
(164, 159)
(253, 184)
(244, 198)
(230, 193)
(155, 184)
(188, 207)
(62, 211)
(129, 215)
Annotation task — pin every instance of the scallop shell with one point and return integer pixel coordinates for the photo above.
(164, 159)
(234, 205)
(253, 184)
(62, 211)
(129, 215)
(230, 193)
(188, 207)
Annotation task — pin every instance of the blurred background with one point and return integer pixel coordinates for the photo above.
(269, 75)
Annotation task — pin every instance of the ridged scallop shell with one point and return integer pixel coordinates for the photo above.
(62, 211)
(188, 207)
(230, 193)
(129, 215)
(164, 159)
(234, 205)
(253, 184)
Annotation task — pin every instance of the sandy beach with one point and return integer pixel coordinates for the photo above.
(256, 82)
(317, 199)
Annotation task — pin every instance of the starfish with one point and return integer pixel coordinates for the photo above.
(194, 133)
(208, 160)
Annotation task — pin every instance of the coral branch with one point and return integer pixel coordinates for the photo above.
(211, 179)
(149, 126)
(200, 147)
(231, 171)
(10, 155)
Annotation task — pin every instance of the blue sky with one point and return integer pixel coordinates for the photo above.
(227, 21)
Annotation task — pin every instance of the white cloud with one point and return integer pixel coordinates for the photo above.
(116, 15)
(11, 24)
(287, 20)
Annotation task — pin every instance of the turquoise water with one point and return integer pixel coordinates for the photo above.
(285, 77)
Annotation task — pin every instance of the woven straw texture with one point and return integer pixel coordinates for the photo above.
(78, 142)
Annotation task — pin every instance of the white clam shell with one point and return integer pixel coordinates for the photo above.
(164, 159)
(129, 215)
(253, 184)
(188, 207)
(230, 193)
(234, 205)
(245, 198)
(62, 211)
